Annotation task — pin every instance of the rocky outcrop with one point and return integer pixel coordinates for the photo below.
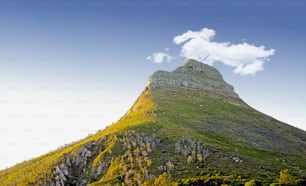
(73, 167)
(126, 153)
(194, 75)
(194, 150)
(92, 160)
(136, 149)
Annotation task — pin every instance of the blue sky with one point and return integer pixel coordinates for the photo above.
(69, 68)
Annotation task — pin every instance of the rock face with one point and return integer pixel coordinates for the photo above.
(73, 168)
(194, 75)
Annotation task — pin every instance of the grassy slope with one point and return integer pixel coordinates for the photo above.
(224, 125)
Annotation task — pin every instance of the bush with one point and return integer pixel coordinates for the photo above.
(286, 178)
(250, 183)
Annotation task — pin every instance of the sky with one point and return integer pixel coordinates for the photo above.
(69, 68)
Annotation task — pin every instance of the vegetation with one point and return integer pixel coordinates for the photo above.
(285, 178)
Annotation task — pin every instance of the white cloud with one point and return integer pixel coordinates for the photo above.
(160, 57)
(247, 59)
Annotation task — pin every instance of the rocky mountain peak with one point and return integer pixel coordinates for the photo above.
(200, 69)
(192, 75)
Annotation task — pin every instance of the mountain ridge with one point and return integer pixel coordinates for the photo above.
(188, 127)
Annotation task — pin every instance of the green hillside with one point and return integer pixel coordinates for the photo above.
(188, 127)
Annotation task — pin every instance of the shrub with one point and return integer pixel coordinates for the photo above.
(286, 178)
(250, 183)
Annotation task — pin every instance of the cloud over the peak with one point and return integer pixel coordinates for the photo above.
(160, 57)
(247, 59)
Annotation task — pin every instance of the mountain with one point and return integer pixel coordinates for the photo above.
(188, 127)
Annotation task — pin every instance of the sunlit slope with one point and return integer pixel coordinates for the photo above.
(41, 170)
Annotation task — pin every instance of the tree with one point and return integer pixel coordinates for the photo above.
(250, 183)
(286, 178)
(149, 162)
(189, 159)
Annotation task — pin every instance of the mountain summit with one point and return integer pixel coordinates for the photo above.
(193, 75)
(188, 127)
